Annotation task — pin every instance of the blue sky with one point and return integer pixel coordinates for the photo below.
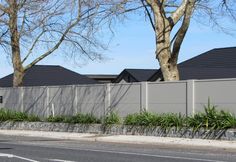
(133, 47)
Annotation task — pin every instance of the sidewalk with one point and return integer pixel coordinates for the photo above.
(150, 140)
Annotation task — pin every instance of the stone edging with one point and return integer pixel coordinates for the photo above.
(118, 130)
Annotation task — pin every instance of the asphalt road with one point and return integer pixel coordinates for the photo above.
(34, 149)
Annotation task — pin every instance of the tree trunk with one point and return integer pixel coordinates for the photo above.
(164, 55)
(18, 77)
(15, 45)
(169, 69)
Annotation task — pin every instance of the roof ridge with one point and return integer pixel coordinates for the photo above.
(47, 65)
(206, 52)
(138, 69)
(223, 48)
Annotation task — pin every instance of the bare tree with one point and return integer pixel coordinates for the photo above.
(31, 30)
(170, 20)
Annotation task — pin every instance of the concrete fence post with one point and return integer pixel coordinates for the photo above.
(144, 96)
(190, 98)
(107, 98)
(22, 99)
(75, 99)
(47, 98)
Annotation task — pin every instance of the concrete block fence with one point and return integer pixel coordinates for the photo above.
(186, 97)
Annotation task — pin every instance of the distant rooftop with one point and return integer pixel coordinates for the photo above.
(215, 58)
(48, 75)
(102, 78)
(137, 75)
(213, 64)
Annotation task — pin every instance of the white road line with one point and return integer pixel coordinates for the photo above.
(151, 155)
(18, 157)
(59, 160)
(6, 155)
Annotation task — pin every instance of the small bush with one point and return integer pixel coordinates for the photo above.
(85, 119)
(79, 118)
(170, 120)
(33, 118)
(58, 119)
(4, 115)
(112, 118)
(19, 116)
(212, 119)
(10, 115)
(142, 119)
(131, 119)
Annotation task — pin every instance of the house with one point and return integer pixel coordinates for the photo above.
(102, 78)
(214, 64)
(134, 75)
(48, 75)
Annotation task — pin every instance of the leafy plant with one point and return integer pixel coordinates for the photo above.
(131, 119)
(10, 115)
(19, 116)
(5, 115)
(85, 119)
(112, 118)
(33, 118)
(142, 119)
(170, 120)
(55, 118)
(212, 119)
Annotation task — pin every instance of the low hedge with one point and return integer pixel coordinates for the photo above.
(211, 119)
(78, 118)
(6, 115)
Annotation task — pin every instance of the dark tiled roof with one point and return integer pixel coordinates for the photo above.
(214, 64)
(138, 75)
(102, 78)
(141, 74)
(47, 75)
(217, 58)
(156, 76)
(206, 73)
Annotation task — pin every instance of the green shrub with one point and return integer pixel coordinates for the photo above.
(33, 118)
(131, 119)
(85, 119)
(67, 119)
(58, 119)
(112, 118)
(150, 119)
(212, 119)
(19, 116)
(5, 115)
(142, 119)
(170, 120)
(10, 115)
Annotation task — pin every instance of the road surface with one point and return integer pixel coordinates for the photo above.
(35, 149)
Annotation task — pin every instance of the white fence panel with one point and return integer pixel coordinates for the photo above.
(167, 97)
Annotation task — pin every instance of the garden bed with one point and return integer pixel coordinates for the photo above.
(210, 124)
(229, 134)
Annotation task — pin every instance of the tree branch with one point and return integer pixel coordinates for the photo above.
(149, 15)
(182, 31)
(32, 47)
(6, 10)
(179, 12)
(56, 46)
